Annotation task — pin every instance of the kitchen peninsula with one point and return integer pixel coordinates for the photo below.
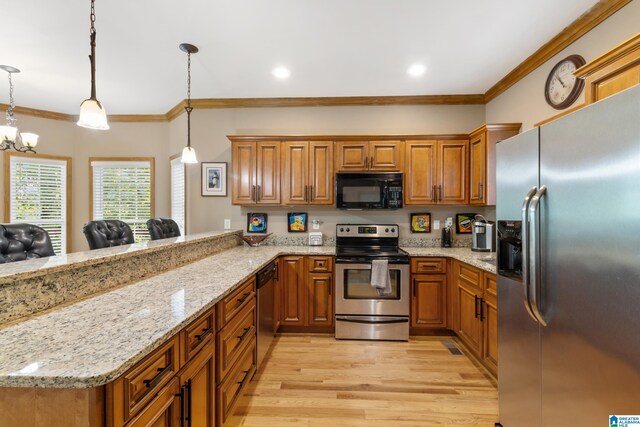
(66, 360)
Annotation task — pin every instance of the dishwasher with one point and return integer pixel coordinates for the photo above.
(266, 279)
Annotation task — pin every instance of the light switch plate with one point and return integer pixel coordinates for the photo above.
(227, 224)
(436, 224)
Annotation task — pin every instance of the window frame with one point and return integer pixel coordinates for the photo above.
(152, 178)
(7, 188)
(184, 166)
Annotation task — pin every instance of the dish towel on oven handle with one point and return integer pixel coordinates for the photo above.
(380, 276)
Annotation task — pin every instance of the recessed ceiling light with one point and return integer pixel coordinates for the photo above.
(281, 72)
(417, 70)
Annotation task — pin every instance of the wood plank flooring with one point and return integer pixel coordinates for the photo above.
(316, 380)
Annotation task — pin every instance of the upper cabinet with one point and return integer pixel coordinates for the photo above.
(436, 172)
(375, 156)
(255, 176)
(612, 72)
(482, 161)
(307, 173)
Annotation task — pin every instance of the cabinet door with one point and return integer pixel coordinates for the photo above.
(385, 156)
(320, 287)
(467, 311)
(452, 172)
(429, 301)
(616, 82)
(163, 410)
(321, 176)
(268, 173)
(294, 294)
(420, 177)
(294, 172)
(277, 300)
(352, 156)
(477, 169)
(490, 323)
(243, 169)
(198, 389)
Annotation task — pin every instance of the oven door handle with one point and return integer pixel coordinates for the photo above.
(372, 320)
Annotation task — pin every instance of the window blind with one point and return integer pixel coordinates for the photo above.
(178, 194)
(38, 195)
(122, 190)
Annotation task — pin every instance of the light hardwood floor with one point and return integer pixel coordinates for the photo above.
(316, 380)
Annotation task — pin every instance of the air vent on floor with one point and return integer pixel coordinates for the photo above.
(452, 347)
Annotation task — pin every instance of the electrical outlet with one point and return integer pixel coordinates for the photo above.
(315, 224)
(227, 224)
(436, 224)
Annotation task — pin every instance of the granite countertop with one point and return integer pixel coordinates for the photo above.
(92, 342)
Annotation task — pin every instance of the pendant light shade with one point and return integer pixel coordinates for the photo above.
(8, 133)
(189, 155)
(92, 113)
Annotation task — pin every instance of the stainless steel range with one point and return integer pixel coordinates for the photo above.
(362, 310)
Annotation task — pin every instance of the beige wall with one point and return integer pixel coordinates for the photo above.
(209, 129)
(122, 140)
(524, 102)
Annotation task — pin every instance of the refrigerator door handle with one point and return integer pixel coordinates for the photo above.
(536, 293)
(525, 250)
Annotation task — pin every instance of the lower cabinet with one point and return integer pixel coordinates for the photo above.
(475, 312)
(429, 294)
(306, 299)
(197, 389)
(164, 410)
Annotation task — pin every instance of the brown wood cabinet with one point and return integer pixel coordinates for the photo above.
(436, 172)
(475, 311)
(164, 410)
(482, 161)
(197, 389)
(429, 294)
(307, 173)
(307, 293)
(374, 156)
(255, 173)
(612, 72)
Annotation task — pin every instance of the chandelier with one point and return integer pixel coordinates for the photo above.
(10, 138)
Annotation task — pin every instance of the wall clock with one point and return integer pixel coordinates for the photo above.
(563, 87)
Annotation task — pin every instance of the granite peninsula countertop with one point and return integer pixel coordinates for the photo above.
(94, 341)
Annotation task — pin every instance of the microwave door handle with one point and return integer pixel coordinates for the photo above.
(525, 249)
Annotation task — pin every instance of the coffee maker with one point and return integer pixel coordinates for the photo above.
(484, 235)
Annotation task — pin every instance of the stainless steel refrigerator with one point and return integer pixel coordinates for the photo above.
(568, 213)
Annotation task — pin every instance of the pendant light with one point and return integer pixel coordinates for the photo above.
(188, 153)
(92, 113)
(10, 137)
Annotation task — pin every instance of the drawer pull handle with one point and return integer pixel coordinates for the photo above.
(161, 372)
(244, 334)
(246, 375)
(244, 297)
(201, 337)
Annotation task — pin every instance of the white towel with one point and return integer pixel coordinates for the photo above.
(380, 276)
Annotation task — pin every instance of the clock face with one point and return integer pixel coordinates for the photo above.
(562, 87)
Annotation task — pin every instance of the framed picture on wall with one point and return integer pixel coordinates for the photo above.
(297, 222)
(464, 222)
(256, 222)
(421, 222)
(214, 179)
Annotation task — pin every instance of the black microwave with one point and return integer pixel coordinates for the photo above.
(369, 190)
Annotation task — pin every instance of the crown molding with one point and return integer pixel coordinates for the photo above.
(578, 28)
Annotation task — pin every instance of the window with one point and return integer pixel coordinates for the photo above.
(123, 189)
(178, 207)
(38, 190)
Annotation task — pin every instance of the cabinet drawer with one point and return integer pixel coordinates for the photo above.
(197, 334)
(428, 265)
(138, 386)
(231, 389)
(163, 410)
(469, 274)
(232, 304)
(234, 338)
(320, 264)
(490, 285)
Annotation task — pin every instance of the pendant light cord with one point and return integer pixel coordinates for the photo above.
(92, 57)
(188, 108)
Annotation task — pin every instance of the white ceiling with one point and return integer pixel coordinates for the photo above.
(332, 47)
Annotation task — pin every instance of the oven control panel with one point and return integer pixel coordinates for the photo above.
(367, 230)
